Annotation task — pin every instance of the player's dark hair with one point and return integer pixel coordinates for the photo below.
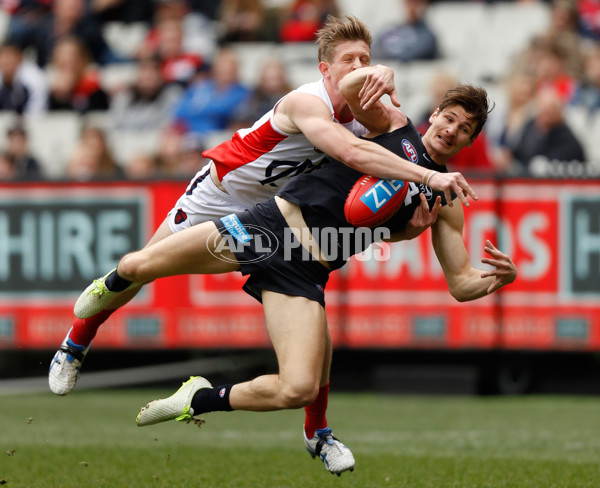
(473, 99)
(340, 29)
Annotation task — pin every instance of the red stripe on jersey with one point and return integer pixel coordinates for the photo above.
(238, 151)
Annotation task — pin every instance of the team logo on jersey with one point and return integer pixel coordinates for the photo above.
(282, 170)
(427, 191)
(180, 216)
(410, 151)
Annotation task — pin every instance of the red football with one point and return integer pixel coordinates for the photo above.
(372, 201)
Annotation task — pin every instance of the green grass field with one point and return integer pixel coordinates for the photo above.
(90, 440)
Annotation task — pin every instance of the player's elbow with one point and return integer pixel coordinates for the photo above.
(458, 292)
(459, 297)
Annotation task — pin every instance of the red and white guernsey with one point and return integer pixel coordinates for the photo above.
(257, 161)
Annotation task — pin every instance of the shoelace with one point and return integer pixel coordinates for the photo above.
(325, 440)
(99, 288)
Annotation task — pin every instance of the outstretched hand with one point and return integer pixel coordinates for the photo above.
(379, 82)
(452, 182)
(505, 271)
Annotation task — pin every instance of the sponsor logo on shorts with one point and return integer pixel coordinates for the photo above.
(180, 216)
(410, 151)
(235, 227)
(222, 392)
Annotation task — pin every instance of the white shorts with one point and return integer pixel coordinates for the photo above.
(202, 201)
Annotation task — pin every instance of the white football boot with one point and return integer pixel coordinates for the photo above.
(177, 406)
(65, 366)
(95, 297)
(336, 457)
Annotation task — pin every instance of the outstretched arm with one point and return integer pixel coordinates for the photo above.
(300, 112)
(362, 89)
(464, 281)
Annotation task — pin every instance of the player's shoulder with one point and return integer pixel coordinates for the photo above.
(303, 102)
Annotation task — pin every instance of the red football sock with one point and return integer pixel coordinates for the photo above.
(315, 417)
(84, 330)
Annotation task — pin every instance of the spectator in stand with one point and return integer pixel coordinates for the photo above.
(304, 18)
(551, 71)
(506, 122)
(25, 18)
(14, 95)
(198, 36)
(122, 10)
(142, 166)
(147, 104)
(272, 84)
(92, 158)
(169, 152)
(247, 21)
(563, 30)
(241, 20)
(209, 104)
(475, 158)
(209, 9)
(23, 85)
(177, 64)
(546, 59)
(179, 156)
(546, 135)
(587, 93)
(589, 19)
(8, 171)
(69, 18)
(191, 160)
(75, 82)
(26, 166)
(410, 40)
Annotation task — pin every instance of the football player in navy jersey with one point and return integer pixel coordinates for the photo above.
(289, 278)
(292, 138)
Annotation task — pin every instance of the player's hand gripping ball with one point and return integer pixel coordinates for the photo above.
(372, 201)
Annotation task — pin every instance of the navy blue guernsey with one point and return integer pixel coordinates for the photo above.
(321, 194)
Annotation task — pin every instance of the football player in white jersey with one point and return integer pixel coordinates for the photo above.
(293, 138)
(289, 276)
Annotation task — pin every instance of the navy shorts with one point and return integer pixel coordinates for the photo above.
(261, 244)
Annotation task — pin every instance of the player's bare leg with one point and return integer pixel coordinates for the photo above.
(93, 308)
(298, 330)
(197, 250)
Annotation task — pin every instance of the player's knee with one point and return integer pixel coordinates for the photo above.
(131, 267)
(300, 394)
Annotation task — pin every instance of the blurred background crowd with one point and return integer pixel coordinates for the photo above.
(105, 89)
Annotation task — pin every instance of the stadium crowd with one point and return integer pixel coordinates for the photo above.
(184, 84)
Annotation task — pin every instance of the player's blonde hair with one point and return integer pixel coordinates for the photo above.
(340, 29)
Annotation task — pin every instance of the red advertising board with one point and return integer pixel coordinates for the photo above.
(56, 237)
